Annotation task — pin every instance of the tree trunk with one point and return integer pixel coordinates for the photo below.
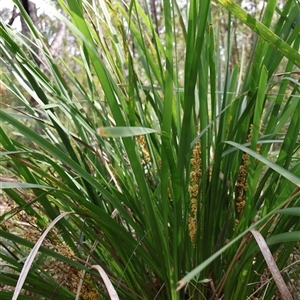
(31, 11)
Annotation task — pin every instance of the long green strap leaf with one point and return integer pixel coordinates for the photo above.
(264, 32)
(283, 172)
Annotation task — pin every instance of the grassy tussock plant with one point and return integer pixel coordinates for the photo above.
(141, 175)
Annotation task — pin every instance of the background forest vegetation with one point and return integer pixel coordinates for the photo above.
(150, 150)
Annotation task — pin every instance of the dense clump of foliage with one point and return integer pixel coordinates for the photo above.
(166, 169)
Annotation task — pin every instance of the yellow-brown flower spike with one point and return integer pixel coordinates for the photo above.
(195, 177)
(241, 183)
(144, 148)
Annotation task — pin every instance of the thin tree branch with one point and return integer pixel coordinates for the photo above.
(13, 16)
